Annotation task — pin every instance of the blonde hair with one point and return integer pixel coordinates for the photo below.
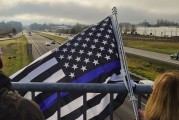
(163, 103)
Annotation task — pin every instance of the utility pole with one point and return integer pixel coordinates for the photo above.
(176, 30)
(145, 32)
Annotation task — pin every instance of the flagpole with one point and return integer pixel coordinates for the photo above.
(123, 59)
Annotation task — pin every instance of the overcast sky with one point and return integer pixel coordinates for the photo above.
(87, 11)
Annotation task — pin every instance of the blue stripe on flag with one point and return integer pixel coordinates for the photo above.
(45, 104)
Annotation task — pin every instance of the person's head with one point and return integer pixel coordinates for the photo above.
(163, 103)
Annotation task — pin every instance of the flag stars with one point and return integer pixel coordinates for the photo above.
(98, 54)
(66, 65)
(69, 57)
(112, 44)
(104, 24)
(93, 28)
(81, 51)
(83, 68)
(101, 29)
(90, 34)
(82, 33)
(117, 55)
(68, 44)
(93, 46)
(107, 57)
(72, 75)
(95, 62)
(72, 50)
(84, 45)
(87, 39)
(79, 38)
(74, 66)
(56, 49)
(61, 57)
(86, 60)
(76, 44)
(104, 42)
(78, 59)
(110, 51)
(96, 40)
(90, 53)
(98, 34)
(101, 48)
(64, 50)
(109, 31)
(107, 36)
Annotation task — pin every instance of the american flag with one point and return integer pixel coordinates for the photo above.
(90, 57)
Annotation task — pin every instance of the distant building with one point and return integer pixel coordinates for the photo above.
(62, 27)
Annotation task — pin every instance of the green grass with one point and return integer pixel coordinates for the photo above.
(53, 37)
(162, 47)
(14, 55)
(148, 68)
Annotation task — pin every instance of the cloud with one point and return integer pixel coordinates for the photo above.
(87, 12)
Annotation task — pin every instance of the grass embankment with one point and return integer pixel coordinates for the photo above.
(53, 37)
(14, 55)
(147, 68)
(162, 47)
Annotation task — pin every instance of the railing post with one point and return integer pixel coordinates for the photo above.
(58, 105)
(84, 106)
(139, 101)
(111, 106)
(33, 95)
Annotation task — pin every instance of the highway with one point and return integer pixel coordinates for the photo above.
(152, 55)
(38, 45)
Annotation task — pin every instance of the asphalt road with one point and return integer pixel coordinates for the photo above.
(152, 55)
(38, 45)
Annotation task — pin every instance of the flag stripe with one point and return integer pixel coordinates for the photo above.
(97, 108)
(40, 69)
(116, 103)
(73, 104)
(45, 104)
(56, 76)
(79, 111)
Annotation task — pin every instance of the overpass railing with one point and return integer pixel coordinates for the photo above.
(119, 88)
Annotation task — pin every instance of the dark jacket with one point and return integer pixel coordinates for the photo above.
(1, 64)
(15, 107)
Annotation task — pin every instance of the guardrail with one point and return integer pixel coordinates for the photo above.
(82, 87)
(152, 39)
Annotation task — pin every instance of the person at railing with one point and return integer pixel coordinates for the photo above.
(163, 103)
(12, 105)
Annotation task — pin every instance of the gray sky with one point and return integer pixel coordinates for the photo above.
(87, 11)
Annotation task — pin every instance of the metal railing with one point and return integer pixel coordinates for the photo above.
(79, 87)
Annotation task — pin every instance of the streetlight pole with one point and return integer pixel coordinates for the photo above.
(145, 32)
(176, 30)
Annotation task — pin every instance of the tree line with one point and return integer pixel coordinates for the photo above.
(59, 28)
(10, 27)
(159, 23)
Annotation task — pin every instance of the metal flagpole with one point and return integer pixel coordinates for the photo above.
(124, 65)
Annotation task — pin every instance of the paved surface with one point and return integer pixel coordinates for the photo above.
(38, 45)
(152, 55)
